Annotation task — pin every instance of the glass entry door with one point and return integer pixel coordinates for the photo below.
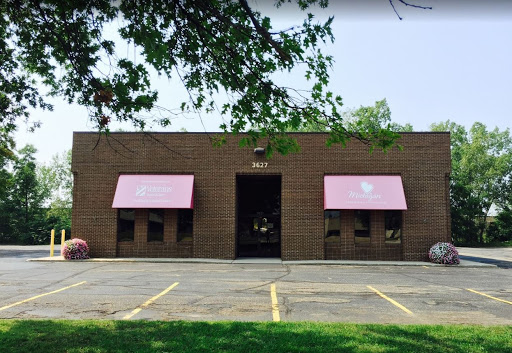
(259, 216)
(259, 235)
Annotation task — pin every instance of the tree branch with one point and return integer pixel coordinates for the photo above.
(394, 9)
(416, 6)
(408, 4)
(264, 33)
(150, 135)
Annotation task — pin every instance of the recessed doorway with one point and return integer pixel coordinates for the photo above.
(259, 215)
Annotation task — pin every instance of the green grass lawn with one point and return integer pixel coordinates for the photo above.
(185, 336)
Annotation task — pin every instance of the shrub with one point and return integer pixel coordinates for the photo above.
(501, 229)
(75, 249)
(444, 253)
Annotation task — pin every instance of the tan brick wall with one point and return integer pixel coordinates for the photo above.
(423, 164)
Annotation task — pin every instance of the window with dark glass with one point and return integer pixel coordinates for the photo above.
(155, 224)
(362, 226)
(332, 227)
(393, 224)
(126, 225)
(185, 225)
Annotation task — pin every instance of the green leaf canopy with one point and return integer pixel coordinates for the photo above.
(213, 47)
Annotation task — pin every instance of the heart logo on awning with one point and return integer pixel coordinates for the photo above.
(366, 187)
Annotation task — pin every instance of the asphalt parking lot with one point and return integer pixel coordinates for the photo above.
(247, 292)
(501, 257)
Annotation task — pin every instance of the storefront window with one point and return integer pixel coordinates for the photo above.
(362, 226)
(155, 224)
(126, 225)
(393, 223)
(332, 227)
(185, 225)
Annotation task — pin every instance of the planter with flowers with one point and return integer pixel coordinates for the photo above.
(75, 249)
(444, 253)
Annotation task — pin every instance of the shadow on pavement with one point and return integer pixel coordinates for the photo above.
(499, 263)
(26, 253)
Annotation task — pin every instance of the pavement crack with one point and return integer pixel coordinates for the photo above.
(267, 283)
(76, 274)
(286, 305)
(195, 301)
(431, 282)
(288, 271)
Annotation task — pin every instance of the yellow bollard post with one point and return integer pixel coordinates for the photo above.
(62, 239)
(52, 242)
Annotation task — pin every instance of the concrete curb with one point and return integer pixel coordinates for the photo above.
(463, 263)
(150, 260)
(270, 261)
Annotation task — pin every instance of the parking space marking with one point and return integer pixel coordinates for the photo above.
(395, 303)
(275, 304)
(139, 308)
(488, 296)
(41, 295)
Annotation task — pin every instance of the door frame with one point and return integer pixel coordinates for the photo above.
(237, 212)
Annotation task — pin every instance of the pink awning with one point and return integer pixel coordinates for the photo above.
(364, 192)
(154, 191)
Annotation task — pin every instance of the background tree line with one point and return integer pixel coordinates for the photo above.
(480, 182)
(34, 198)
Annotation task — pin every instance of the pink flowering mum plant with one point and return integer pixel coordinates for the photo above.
(75, 249)
(444, 253)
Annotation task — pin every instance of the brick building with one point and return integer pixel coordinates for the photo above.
(174, 195)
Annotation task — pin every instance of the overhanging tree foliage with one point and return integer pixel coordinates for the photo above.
(215, 48)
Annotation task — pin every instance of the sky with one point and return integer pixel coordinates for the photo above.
(452, 62)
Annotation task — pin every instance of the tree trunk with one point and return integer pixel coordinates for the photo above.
(482, 230)
(483, 226)
(26, 209)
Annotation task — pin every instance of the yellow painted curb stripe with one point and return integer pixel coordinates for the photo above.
(40, 295)
(275, 304)
(395, 303)
(488, 296)
(138, 309)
